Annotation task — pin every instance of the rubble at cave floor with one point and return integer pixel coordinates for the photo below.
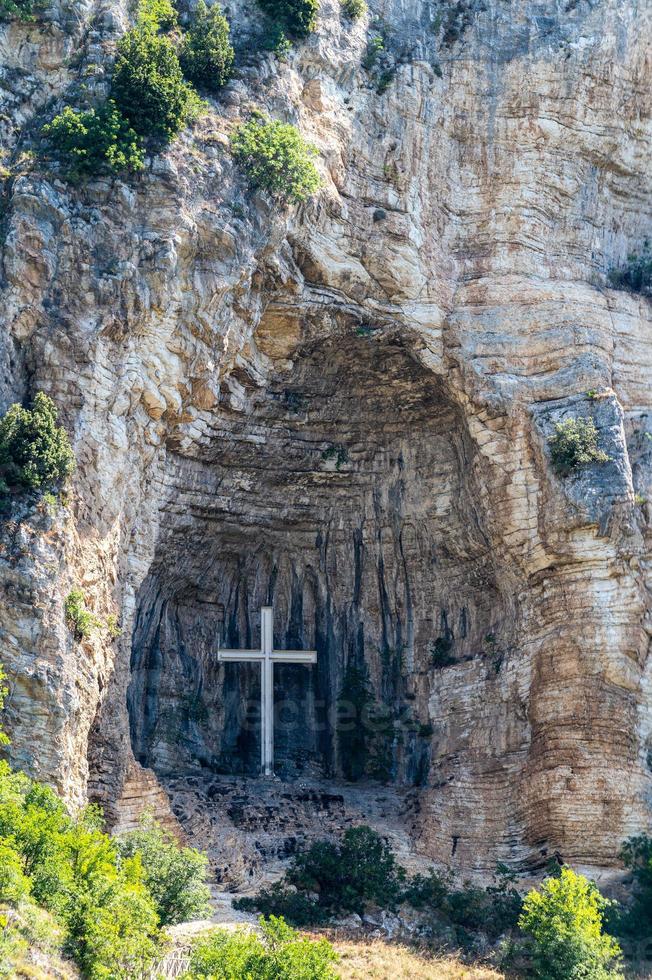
(250, 828)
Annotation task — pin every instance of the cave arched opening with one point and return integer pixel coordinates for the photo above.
(345, 496)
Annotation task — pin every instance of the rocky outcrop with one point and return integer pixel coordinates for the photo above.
(345, 409)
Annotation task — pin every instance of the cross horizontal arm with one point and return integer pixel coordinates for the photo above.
(294, 656)
(235, 655)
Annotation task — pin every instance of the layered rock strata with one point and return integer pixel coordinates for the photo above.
(345, 409)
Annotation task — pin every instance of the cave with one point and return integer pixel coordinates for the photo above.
(342, 491)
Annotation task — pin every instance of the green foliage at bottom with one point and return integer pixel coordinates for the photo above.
(95, 141)
(280, 954)
(348, 876)
(564, 920)
(68, 867)
(636, 919)
(175, 876)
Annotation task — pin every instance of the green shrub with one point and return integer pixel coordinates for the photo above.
(175, 876)
(14, 884)
(79, 619)
(375, 47)
(17, 10)
(635, 274)
(564, 920)
(281, 899)
(159, 15)
(354, 8)
(109, 921)
(95, 141)
(636, 854)
(276, 158)
(297, 17)
(148, 85)
(280, 954)
(426, 891)
(493, 910)
(206, 53)
(575, 444)
(278, 42)
(35, 452)
(346, 877)
(440, 652)
(4, 691)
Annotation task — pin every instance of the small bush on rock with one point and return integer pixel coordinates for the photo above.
(81, 621)
(206, 53)
(160, 15)
(35, 452)
(280, 954)
(95, 141)
(635, 274)
(276, 158)
(297, 17)
(149, 87)
(17, 10)
(575, 444)
(354, 8)
(175, 876)
(284, 900)
(564, 920)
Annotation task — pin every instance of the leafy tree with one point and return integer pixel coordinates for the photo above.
(74, 870)
(565, 922)
(148, 85)
(160, 15)
(14, 883)
(276, 158)
(206, 53)
(636, 854)
(95, 141)
(280, 954)
(346, 877)
(298, 17)
(35, 452)
(174, 875)
(575, 444)
(4, 691)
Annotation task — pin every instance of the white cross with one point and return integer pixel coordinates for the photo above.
(267, 657)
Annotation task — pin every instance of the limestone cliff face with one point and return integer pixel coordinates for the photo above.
(345, 409)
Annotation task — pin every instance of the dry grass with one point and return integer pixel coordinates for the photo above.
(374, 959)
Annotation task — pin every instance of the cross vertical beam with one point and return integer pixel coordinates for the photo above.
(267, 656)
(267, 694)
